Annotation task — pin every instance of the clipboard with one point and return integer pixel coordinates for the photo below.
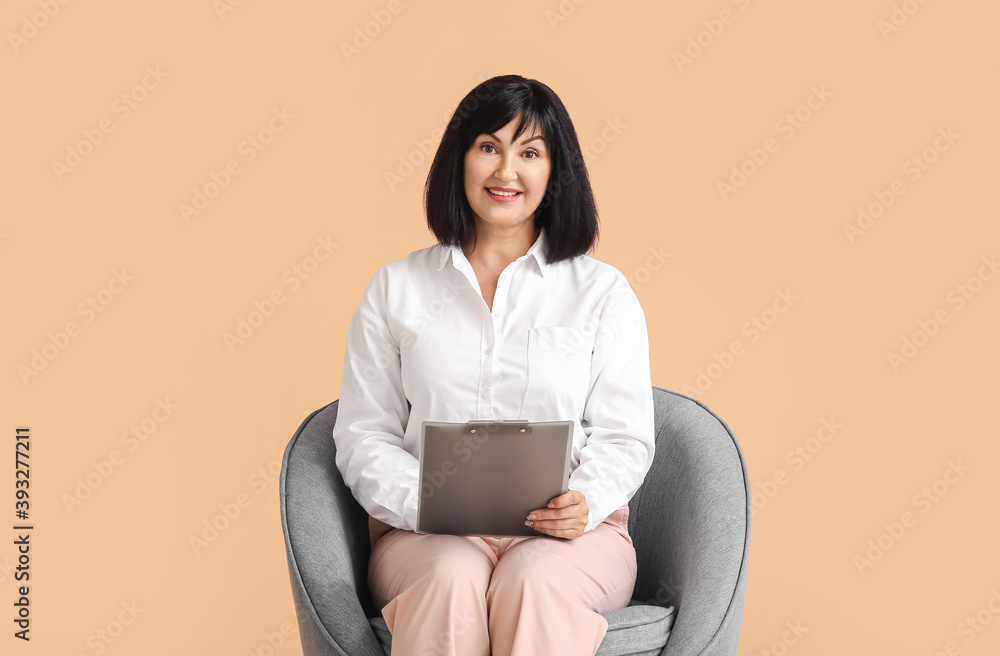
(483, 477)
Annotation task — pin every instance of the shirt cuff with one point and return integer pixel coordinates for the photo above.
(590, 511)
(410, 514)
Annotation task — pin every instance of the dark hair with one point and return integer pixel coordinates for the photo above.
(567, 210)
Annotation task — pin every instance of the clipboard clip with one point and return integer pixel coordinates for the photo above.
(496, 424)
(480, 422)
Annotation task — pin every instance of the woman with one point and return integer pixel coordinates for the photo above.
(504, 318)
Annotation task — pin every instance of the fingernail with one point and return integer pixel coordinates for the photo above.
(528, 523)
(552, 505)
(531, 516)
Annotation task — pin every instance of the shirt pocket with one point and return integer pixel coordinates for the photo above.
(559, 359)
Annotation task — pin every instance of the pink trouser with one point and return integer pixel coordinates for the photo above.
(457, 595)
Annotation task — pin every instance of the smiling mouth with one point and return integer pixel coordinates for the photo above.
(504, 194)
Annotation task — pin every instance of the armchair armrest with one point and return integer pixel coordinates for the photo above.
(694, 533)
(326, 543)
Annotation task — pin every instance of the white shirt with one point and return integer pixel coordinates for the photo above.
(564, 340)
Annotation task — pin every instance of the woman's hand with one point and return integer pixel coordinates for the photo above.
(566, 517)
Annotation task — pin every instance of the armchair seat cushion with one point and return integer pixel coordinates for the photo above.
(639, 629)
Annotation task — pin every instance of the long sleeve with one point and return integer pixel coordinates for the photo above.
(372, 416)
(618, 417)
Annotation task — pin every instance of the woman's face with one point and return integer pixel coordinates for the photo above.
(494, 163)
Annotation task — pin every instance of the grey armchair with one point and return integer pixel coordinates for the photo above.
(690, 523)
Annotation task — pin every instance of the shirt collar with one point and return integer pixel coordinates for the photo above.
(537, 250)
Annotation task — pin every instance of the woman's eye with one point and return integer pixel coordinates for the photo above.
(492, 149)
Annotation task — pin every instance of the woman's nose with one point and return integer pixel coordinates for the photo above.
(506, 169)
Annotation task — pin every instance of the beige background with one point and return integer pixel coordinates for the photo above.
(879, 97)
